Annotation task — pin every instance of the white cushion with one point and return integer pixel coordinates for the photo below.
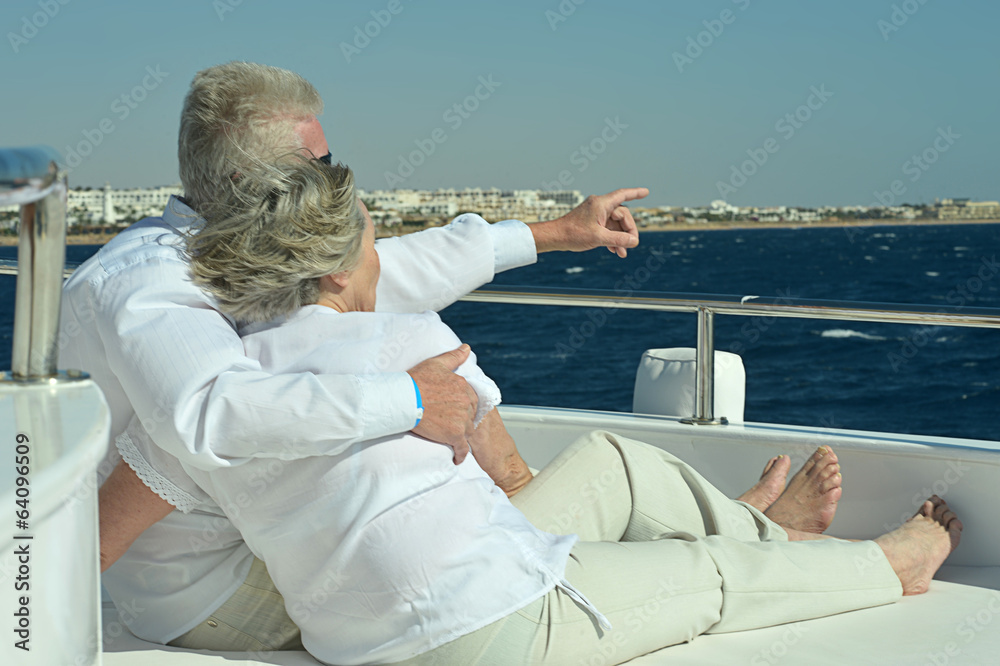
(665, 384)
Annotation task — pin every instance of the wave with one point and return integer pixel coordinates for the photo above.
(847, 333)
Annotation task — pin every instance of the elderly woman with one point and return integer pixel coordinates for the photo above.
(389, 552)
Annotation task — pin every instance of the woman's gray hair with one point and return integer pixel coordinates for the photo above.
(278, 229)
(237, 113)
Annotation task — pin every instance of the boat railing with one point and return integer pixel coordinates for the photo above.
(30, 178)
(706, 307)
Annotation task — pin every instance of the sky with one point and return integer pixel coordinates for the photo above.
(759, 103)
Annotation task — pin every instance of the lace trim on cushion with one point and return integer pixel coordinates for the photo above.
(167, 490)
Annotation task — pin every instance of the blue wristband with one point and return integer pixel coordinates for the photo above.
(420, 403)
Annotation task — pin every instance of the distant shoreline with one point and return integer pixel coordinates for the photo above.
(101, 239)
(744, 225)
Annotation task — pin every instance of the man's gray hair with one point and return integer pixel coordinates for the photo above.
(235, 115)
(279, 229)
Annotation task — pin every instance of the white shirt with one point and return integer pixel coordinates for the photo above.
(388, 549)
(163, 354)
(159, 349)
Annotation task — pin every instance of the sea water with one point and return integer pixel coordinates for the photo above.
(929, 380)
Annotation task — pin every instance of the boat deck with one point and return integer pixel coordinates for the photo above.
(951, 624)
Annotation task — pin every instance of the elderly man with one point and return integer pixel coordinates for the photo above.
(356, 543)
(163, 353)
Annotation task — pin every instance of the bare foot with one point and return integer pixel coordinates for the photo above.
(772, 482)
(810, 500)
(918, 548)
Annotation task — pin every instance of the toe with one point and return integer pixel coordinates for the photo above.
(926, 509)
(834, 482)
(828, 472)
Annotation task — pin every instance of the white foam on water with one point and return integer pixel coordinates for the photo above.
(848, 333)
(574, 269)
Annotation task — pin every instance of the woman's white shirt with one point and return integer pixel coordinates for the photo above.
(387, 549)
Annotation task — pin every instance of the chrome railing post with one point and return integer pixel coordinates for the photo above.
(41, 255)
(704, 381)
(30, 177)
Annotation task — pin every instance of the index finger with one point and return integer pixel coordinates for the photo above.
(618, 197)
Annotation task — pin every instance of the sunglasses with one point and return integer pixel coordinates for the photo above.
(326, 159)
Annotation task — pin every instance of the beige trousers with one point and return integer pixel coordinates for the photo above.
(666, 557)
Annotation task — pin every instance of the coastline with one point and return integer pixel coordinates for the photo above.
(101, 239)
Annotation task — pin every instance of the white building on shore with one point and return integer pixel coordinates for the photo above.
(89, 206)
(107, 206)
(493, 204)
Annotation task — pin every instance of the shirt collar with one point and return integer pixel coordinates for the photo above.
(180, 216)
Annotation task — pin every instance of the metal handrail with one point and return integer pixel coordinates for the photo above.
(9, 267)
(30, 177)
(747, 306)
(706, 306)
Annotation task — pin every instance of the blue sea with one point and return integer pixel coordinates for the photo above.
(884, 377)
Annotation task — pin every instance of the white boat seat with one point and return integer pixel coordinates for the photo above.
(951, 624)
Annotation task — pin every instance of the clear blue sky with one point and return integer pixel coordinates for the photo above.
(678, 127)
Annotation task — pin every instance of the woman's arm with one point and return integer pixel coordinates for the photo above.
(496, 453)
(127, 508)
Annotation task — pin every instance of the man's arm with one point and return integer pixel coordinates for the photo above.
(431, 269)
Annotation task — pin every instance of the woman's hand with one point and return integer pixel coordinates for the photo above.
(497, 454)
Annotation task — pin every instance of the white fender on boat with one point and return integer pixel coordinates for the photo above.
(665, 380)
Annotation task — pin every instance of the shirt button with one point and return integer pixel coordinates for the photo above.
(212, 623)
